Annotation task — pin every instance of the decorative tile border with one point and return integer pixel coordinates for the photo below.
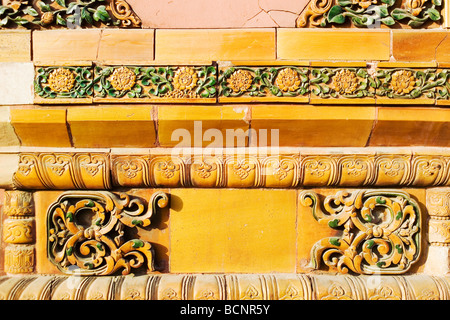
(246, 84)
(155, 83)
(67, 14)
(351, 83)
(57, 84)
(226, 287)
(370, 14)
(61, 170)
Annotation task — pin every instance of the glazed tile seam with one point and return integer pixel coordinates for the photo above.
(218, 84)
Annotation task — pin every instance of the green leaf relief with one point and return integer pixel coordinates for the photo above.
(370, 244)
(137, 243)
(333, 223)
(399, 215)
(69, 216)
(69, 251)
(90, 204)
(380, 200)
(335, 242)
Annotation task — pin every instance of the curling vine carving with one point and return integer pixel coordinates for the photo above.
(380, 231)
(86, 232)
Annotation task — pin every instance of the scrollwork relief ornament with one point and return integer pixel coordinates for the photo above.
(67, 14)
(87, 230)
(381, 231)
(370, 13)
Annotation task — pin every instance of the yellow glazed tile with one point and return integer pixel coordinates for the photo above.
(8, 136)
(313, 44)
(15, 46)
(41, 127)
(65, 45)
(233, 231)
(313, 126)
(126, 45)
(403, 126)
(111, 126)
(419, 45)
(215, 44)
(203, 126)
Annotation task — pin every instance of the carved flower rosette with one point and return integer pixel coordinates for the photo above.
(284, 81)
(63, 82)
(342, 82)
(413, 83)
(380, 231)
(87, 232)
(140, 82)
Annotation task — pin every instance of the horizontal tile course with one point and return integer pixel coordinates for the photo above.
(349, 83)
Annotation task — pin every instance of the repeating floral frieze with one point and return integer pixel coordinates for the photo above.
(342, 82)
(263, 82)
(63, 82)
(158, 83)
(289, 170)
(371, 13)
(67, 14)
(215, 84)
(412, 83)
(63, 171)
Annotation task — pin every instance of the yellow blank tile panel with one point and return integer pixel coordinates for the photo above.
(420, 45)
(215, 44)
(397, 126)
(111, 126)
(314, 126)
(195, 126)
(124, 45)
(233, 231)
(52, 46)
(332, 44)
(41, 127)
(15, 46)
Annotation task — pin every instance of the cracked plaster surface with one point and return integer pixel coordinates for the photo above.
(217, 14)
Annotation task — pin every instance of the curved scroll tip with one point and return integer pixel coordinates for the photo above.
(161, 199)
(308, 198)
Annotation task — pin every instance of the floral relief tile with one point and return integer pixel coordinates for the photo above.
(422, 86)
(330, 85)
(263, 83)
(155, 83)
(56, 84)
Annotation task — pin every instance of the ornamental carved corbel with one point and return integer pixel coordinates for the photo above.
(19, 232)
(123, 12)
(381, 231)
(87, 232)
